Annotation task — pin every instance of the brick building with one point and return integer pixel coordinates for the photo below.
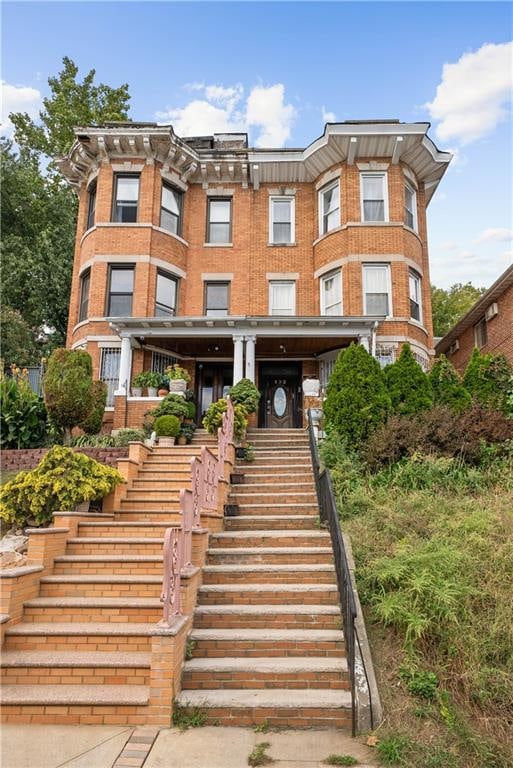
(248, 262)
(488, 325)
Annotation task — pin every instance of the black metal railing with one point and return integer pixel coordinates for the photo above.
(329, 516)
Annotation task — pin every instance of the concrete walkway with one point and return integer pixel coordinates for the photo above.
(53, 746)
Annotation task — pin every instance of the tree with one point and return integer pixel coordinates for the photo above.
(93, 424)
(447, 387)
(408, 386)
(357, 401)
(450, 305)
(18, 343)
(68, 389)
(488, 378)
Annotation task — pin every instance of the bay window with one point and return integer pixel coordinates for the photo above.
(374, 196)
(126, 198)
(415, 296)
(410, 207)
(329, 208)
(331, 294)
(171, 209)
(165, 296)
(377, 289)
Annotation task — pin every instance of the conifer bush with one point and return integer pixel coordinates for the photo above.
(68, 388)
(408, 386)
(447, 386)
(488, 379)
(93, 423)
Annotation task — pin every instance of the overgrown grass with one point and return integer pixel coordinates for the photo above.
(258, 756)
(433, 544)
(185, 718)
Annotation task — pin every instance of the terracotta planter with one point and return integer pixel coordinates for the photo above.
(163, 392)
(182, 440)
(166, 442)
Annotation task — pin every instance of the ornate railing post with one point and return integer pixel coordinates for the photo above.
(186, 509)
(173, 557)
(196, 473)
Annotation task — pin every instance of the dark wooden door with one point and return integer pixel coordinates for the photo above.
(281, 402)
(214, 381)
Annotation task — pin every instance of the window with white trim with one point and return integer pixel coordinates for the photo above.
(85, 284)
(374, 196)
(109, 370)
(377, 289)
(217, 299)
(385, 355)
(481, 333)
(415, 296)
(329, 207)
(282, 297)
(171, 209)
(410, 206)
(126, 197)
(219, 220)
(165, 296)
(281, 220)
(331, 293)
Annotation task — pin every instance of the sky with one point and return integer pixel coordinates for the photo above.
(281, 70)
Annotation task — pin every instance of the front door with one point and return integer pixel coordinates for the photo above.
(214, 381)
(280, 404)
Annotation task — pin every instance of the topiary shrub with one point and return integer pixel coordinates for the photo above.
(67, 388)
(22, 412)
(172, 405)
(408, 386)
(93, 423)
(191, 409)
(488, 379)
(125, 436)
(214, 416)
(167, 426)
(357, 401)
(61, 480)
(246, 393)
(447, 387)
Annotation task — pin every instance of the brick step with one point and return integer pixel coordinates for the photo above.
(265, 496)
(73, 636)
(141, 502)
(163, 485)
(124, 529)
(115, 545)
(94, 609)
(280, 508)
(252, 475)
(277, 467)
(169, 516)
(74, 668)
(74, 704)
(150, 493)
(275, 431)
(161, 465)
(268, 594)
(164, 474)
(277, 672)
(267, 642)
(303, 708)
(123, 564)
(262, 522)
(272, 483)
(261, 444)
(242, 616)
(101, 585)
(270, 538)
(278, 555)
(278, 574)
(279, 454)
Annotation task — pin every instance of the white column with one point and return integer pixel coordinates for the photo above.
(125, 366)
(250, 358)
(238, 354)
(364, 341)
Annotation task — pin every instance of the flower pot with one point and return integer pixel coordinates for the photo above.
(152, 391)
(178, 386)
(163, 392)
(166, 442)
(182, 440)
(311, 387)
(136, 391)
(240, 452)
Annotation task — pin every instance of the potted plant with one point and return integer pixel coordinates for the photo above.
(153, 382)
(178, 378)
(167, 429)
(138, 382)
(172, 405)
(163, 387)
(214, 417)
(191, 408)
(186, 434)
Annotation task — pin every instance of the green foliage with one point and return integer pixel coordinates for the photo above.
(61, 480)
(125, 436)
(191, 409)
(184, 718)
(167, 426)
(172, 405)
(22, 413)
(190, 645)
(447, 387)
(214, 416)
(408, 386)
(19, 345)
(154, 379)
(262, 727)
(357, 401)
(488, 379)
(420, 683)
(177, 372)
(68, 385)
(393, 750)
(450, 305)
(258, 756)
(187, 431)
(93, 441)
(340, 760)
(94, 421)
(246, 393)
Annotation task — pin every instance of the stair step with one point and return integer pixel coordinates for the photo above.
(268, 594)
(261, 698)
(285, 523)
(95, 659)
(234, 636)
(271, 610)
(75, 695)
(93, 602)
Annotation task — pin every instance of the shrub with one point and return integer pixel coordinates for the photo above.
(22, 412)
(214, 416)
(187, 431)
(408, 386)
(191, 409)
(172, 405)
(488, 379)
(153, 379)
(247, 394)
(167, 426)
(125, 436)
(447, 387)
(420, 683)
(357, 401)
(68, 388)
(93, 423)
(93, 441)
(61, 480)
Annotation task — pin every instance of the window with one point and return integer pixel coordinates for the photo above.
(109, 371)
(217, 299)
(165, 297)
(171, 209)
(85, 282)
(481, 333)
(126, 196)
(281, 224)
(160, 361)
(121, 289)
(410, 207)
(331, 294)
(282, 297)
(374, 197)
(219, 221)
(376, 287)
(385, 355)
(415, 296)
(91, 206)
(329, 208)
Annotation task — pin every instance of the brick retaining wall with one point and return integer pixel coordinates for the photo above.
(28, 458)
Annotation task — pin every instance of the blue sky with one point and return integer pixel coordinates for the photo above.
(280, 69)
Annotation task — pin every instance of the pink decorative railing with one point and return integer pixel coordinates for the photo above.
(206, 471)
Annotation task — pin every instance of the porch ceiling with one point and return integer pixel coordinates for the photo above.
(266, 347)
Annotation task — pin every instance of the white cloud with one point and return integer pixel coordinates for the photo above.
(17, 98)
(328, 117)
(495, 234)
(507, 255)
(223, 110)
(472, 96)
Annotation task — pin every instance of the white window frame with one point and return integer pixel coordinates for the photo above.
(384, 176)
(324, 278)
(273, 283)
(481, 323)
(370, 265)
(283, 198)
(411, 188)
(417, 280)
(320, 206)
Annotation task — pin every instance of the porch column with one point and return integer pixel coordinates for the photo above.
(250, 358)
(364, 341)
(125, 366)
(238, 354)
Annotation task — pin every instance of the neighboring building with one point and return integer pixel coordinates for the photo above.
(256, 262)
(488, 325)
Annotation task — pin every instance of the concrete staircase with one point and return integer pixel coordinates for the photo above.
(268, 644)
